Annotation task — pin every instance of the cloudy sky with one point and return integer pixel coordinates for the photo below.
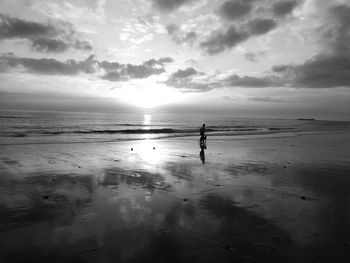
(279, 58)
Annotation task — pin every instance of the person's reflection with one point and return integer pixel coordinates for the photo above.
(202, 154)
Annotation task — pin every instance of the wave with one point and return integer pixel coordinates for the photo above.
(133, 131)
(14, 117)
(168, 131)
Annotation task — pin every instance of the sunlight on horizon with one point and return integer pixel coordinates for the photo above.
(149, 96)
(147, 119)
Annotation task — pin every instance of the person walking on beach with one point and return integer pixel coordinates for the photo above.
(203, 138)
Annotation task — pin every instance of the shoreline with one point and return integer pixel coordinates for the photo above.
(227, 136)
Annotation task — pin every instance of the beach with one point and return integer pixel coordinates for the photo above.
(269, 198)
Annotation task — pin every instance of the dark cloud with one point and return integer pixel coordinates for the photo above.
(181, 37)
(49, 45)
(331, 67)
(328, 69)
(158, 62)
(283, 8)
(261, 26)
(336, 33)
(249, 22)
(322, 71)
(169, 5)
(190, 80)
(184, 79)
(189, 86)
(42, 37)
(183, 73)
(142, 71)
(220, 41)
(83, 45)
(235, 9)
(121, 72)
(11, 27)
(40, 66)
(89, 65)
(112, 71)
(258, 82)
(113, 76)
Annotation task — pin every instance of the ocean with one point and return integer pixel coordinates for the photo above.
(30, 127)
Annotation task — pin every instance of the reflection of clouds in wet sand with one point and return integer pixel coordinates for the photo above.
(113, 177)
(155, 205)
(42, 197)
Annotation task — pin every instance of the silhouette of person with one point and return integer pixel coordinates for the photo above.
(202, 154)
(203, 138)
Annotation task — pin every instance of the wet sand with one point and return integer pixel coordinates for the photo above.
(279, 199)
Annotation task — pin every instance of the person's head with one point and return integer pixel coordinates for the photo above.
(203, 125)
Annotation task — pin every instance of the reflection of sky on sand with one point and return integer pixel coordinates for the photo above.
(157, 207)
(146, 153)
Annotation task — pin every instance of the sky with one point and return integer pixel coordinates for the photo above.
(246, 58)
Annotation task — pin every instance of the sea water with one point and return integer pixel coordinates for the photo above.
(27, 127)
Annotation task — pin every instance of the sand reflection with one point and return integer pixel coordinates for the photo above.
(154, 205)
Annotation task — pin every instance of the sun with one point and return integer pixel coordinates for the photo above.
(149, 96)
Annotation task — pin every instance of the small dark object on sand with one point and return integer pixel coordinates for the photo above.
(284, 166)
(185, 199)
(132, 149)
(45, 197)
(303, 197)
(154, 148)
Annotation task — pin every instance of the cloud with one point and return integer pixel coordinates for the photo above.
(331, 67)
(261, 26)
(139, 29)
(190, 80)
(219, 41)
(169, 5)
(112, 71)
(321, 71)
(254, 56)
(257, 82)
(160, 62)
(122, 72)
(40, 66)
(185, 73)
(336, 31)
(43, 37)
(266, 99)
(83, 45)
(11, 27)
(180, 37)
(234, 10)
(283, 8)
(49, 45)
